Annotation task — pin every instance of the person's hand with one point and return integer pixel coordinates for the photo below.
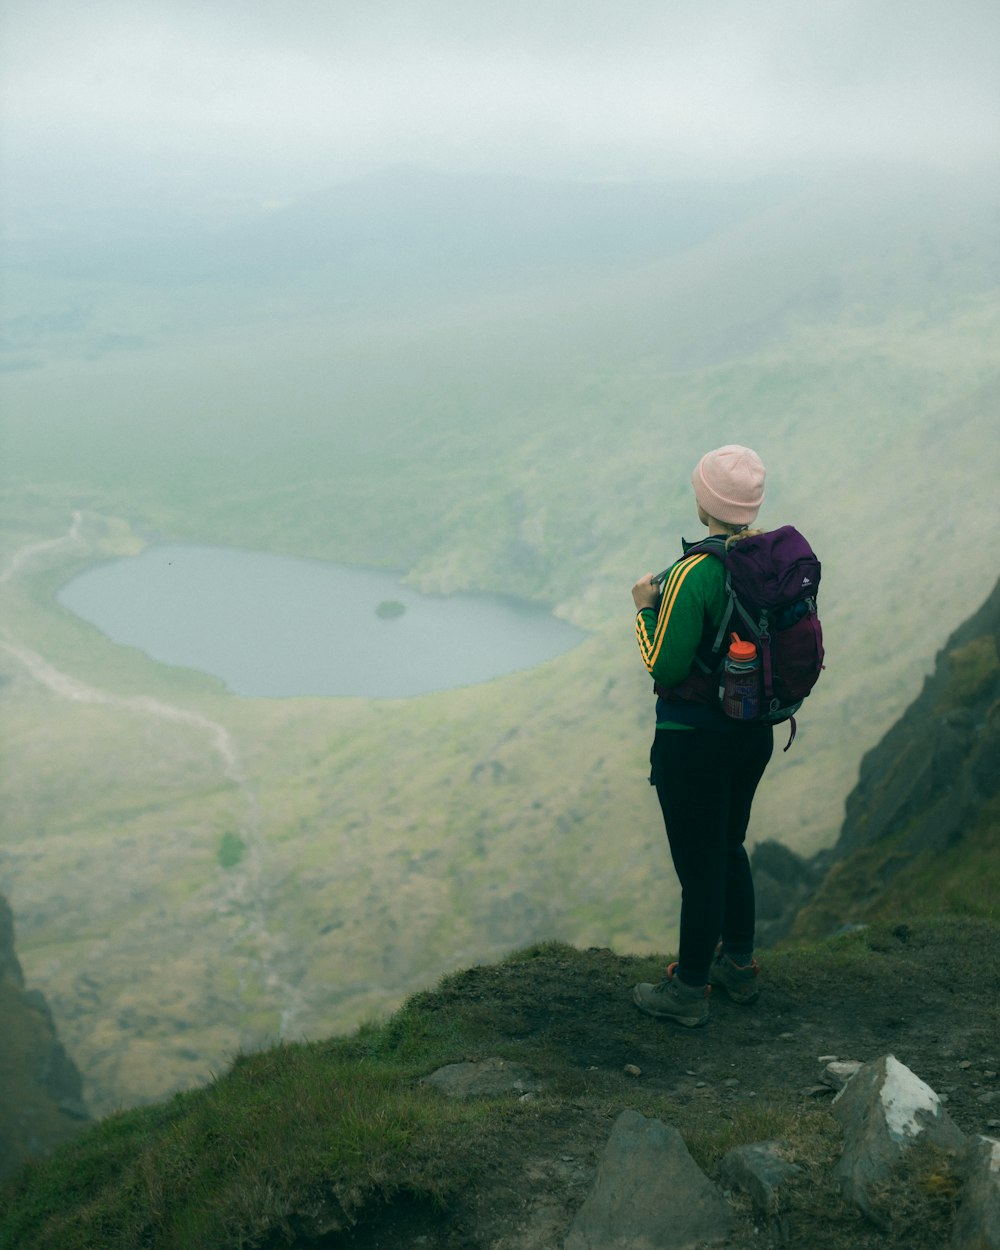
(646, 592)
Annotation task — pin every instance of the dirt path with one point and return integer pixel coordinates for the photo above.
(28, 552)
(76, 691)
(246, 884)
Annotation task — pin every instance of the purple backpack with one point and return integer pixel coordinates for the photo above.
(771, 580)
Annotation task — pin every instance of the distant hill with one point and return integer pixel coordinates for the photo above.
(407, 233)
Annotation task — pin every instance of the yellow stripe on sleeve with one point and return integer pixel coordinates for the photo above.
(643, 637)
(676, 579)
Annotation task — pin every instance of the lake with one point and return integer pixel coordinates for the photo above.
(278, 626)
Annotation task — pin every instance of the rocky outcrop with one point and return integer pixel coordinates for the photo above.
(899, 1144)
(648, 1191)
(40, 1090)
(931, 784)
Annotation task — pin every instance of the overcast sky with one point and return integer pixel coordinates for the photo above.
(273, 99)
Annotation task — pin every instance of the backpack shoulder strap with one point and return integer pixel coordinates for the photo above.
(707, 658)
(715, 545)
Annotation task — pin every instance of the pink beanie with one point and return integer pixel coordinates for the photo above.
(729, 484)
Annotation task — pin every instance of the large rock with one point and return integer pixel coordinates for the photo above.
(977, 1224)
(649, 1194)
(885, 1110)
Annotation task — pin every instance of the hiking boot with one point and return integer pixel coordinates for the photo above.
(739, 982)
(673, 1000)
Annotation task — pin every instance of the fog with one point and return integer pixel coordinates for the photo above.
(217, 107)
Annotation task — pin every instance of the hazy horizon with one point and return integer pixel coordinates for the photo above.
(223, 107)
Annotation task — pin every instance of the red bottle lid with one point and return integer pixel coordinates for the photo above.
(740, 651)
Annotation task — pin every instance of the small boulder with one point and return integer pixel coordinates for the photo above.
(838, 1072)
(649, 1194)
(760, 1170)
(485, 1079)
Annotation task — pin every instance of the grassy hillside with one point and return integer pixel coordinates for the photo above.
(340, 1143)
(533, 437)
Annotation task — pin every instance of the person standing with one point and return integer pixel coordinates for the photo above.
(705, 766)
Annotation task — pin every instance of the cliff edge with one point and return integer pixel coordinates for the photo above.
(921, 826)
(40, 1089)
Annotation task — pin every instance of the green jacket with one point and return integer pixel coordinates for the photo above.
(693, 594)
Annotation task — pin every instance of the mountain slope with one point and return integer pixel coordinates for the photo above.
(922, 827)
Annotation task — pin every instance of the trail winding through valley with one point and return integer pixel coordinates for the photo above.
(241, 889)
(76, 691)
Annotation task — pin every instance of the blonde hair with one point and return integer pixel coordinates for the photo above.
(737, 533)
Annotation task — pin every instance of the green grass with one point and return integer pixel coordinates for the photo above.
(327, 1123)
(972, 669)
(224, 1165)
(963, 879)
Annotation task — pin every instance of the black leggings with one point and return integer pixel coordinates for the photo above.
(705, 780)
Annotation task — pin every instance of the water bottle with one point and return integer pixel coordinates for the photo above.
(741, 681)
